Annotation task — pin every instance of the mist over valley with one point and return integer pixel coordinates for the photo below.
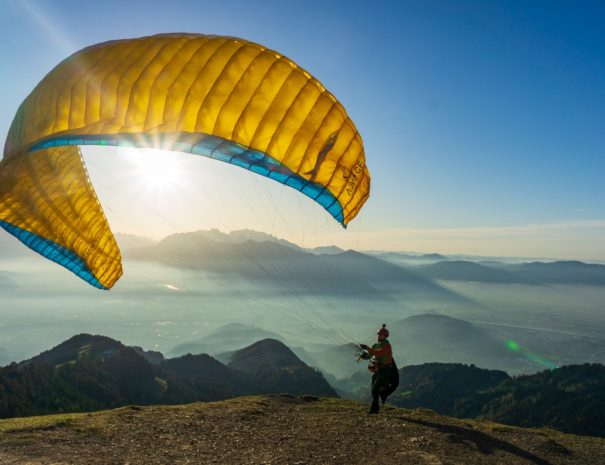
(212, 292)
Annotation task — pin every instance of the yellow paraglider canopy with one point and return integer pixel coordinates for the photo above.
(219, 97)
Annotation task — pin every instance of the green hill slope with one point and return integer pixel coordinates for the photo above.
(89, 372)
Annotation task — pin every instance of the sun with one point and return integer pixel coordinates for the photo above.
(157, 170)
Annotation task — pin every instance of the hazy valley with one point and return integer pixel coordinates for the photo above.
(176, 295)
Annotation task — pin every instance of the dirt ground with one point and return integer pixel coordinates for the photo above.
(282, 430)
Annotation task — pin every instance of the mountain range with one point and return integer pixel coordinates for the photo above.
(89, 372)
(289, 268)
(570, 398)
(421, 338)
(536, 273)
(459, 270)
(259, 256)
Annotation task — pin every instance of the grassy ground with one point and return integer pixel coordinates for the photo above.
(282, 430)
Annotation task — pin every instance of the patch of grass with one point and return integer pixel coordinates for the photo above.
(330, 403)
(38, 423)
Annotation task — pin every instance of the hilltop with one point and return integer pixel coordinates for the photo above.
(282, 430)
(278, 369)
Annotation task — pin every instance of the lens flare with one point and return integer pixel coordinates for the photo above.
(514, 346)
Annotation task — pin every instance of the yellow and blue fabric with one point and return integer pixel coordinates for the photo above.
(220, 97)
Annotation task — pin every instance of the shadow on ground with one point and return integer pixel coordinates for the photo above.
(485, 443)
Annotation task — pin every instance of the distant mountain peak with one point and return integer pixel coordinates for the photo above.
(225, 339)
(265, 352)
(463, 270)
(131, 241)
(563, 271)
(239, 236)
(236, 326)
(436, 320)
(433, 256)
(555, 263)
(432, 316)
(326, 250)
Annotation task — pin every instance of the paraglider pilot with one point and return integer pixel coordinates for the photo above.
(385, 377)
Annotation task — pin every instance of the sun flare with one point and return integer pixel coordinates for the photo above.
(157, 170)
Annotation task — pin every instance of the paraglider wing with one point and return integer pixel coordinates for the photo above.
(219, 97)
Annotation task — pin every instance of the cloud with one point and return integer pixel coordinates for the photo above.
(529, 230)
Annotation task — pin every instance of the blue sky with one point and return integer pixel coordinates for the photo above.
(483, 121)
